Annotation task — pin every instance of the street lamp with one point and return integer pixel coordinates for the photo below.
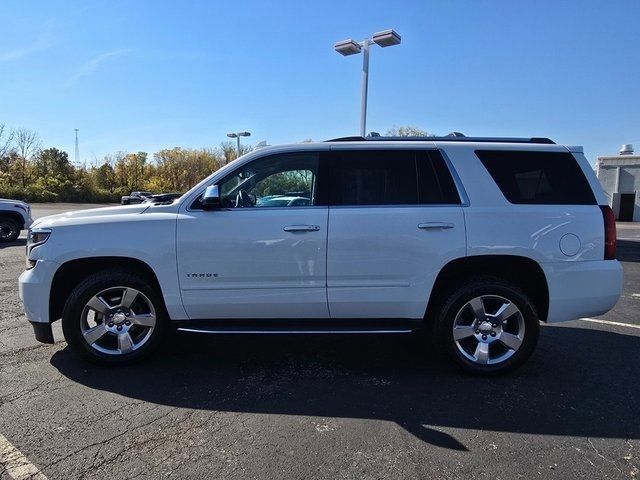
(386, 38)
(237, 136)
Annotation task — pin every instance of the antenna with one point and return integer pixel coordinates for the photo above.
(77, 149)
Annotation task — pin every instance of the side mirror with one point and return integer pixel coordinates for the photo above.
(211, 198)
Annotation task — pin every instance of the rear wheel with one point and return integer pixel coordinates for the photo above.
(488, 326)
(114, 317)
(9, 230)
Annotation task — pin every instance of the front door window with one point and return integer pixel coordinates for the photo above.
(286, 180)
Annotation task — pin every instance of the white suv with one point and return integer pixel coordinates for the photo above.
(474, 239)
(14, 216)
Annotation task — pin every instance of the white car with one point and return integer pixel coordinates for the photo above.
(14, 216)
(283, 201)
(474, 240)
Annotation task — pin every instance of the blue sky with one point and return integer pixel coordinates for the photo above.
(145, 75)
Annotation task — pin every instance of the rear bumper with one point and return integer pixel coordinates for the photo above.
(582, 289)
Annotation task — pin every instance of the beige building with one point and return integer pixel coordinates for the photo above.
(620, 178)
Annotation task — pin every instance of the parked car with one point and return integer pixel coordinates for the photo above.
(161, 197)
(135, 197)
(284, 201)
(472, 240)
(14, 216)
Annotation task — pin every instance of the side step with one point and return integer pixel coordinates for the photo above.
(288, 327)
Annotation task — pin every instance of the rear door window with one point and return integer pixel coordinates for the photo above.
(538, 178)
(390, 177)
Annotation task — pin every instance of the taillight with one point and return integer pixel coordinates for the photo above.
(609, 232)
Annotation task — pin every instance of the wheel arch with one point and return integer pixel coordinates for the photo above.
(15, 216)
(524, 272)
(72, 272)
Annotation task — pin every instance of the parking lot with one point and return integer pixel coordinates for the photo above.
(326, 406)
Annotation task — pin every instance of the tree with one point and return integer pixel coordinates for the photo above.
(178, 169)
(27, 143)
(230, 150)
(53, 162)
(130, 168)
(407, 131)
(105, 177)
(6, 140)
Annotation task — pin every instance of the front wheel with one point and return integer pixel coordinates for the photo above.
(114, 317)
(9, 230)
(488, 326)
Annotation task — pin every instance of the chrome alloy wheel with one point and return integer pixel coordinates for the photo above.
(488, 329)
(118, 320)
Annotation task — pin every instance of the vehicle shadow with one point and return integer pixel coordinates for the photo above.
(20, 242)
(628, 251)
(580, 382)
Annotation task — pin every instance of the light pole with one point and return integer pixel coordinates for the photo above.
(386, 38)
(237, 136)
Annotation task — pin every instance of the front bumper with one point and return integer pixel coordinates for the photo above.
(35, 287)
(582, 289)
(43, 332)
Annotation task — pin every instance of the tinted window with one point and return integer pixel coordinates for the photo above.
(551, 178)
(390, 177)
(435, 183)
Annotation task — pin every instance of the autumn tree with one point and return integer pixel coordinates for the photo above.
(407, 131)
(27, 143)
(178, 169)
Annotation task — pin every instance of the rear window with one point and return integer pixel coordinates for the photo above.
(390, 177)
(538, 178)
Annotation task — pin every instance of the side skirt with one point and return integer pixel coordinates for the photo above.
(306, 326)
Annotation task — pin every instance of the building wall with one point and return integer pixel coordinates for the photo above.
(627, 182)
(607, 176)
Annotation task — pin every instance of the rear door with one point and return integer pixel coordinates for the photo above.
(395, 219)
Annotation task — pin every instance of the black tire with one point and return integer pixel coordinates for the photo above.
(9, 230)
(87, 289)
(487, 287)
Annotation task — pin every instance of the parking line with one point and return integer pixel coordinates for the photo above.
(607, 322)
(16, 464)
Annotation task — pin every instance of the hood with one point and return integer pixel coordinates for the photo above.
(78, 216)
(15, 202)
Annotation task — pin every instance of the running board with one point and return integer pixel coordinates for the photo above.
(298, 327)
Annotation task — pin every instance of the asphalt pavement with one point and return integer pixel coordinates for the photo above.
(301, 407)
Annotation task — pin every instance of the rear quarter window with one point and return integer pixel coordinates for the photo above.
(538, 178)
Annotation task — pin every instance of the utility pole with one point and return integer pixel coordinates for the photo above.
(77, 149)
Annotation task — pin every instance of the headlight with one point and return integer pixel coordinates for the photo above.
(37, 236)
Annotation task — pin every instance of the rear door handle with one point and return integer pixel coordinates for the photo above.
(301, 228)
(435, 225)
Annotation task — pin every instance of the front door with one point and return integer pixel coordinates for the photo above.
(263, 255)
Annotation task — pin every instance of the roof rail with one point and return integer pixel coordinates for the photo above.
(447, 138)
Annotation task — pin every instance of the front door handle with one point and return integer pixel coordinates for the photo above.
(301, 228)
(435, 225)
